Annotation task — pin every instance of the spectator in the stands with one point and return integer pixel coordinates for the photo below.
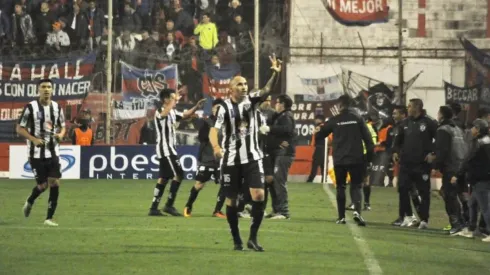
(170, 27)
(22, 29)
(171, 47)
(234, 9)
(44, 23)
(96, 24)
(58, 39)
(4, 27)
(125, 42)
(84, 6)
(148, 131)
(225, 50)
(183, 21)
(208, 33)
(191, 68)
(144, 9)
(77, 27)
(130, 19)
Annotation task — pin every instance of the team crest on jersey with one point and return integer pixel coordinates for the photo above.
(422, 127)
(39, 115)
(425, 177)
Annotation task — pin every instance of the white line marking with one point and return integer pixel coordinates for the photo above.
(369, 259)
(190, 229)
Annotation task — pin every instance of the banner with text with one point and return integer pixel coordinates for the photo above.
(216, 80)
(358, 12)
(462, 95)
(131, 162)
(72, 79)
(477, 67)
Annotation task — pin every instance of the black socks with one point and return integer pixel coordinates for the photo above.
(257, 217)
(220, 200)
(157, 194)
(367, 194)
(34, 195)
(192, 197)
(232, 217)
(174, 188)
(53, 201)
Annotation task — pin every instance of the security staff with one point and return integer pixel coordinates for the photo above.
(450, 151)
(349, 132)
(83, 134)
(414, 148)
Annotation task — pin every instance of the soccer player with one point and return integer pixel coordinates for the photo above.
(170, 168)
(42, 123)
(242, 155)
(208, 166)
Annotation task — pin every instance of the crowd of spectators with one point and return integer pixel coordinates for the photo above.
(147, 33)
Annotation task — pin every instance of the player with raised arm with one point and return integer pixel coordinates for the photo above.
(241, 154)
(166, 118)
(42, 124)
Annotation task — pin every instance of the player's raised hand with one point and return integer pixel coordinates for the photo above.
(200, 103)
(276, 64)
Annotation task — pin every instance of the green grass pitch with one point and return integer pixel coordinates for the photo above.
(104, 229)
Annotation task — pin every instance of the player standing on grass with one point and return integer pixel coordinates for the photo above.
(208, 166)
(166, 118)
(242, 155)
(42, 123)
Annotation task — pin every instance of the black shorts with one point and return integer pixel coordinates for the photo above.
(206, 173)
(170, 167)
(268, 162)
(45, 168)
(233, 177)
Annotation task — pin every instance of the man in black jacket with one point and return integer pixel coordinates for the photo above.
(450, 153)
(280, 150)
(318, 158)
(349, 132)
(414, 147)
(477, 168)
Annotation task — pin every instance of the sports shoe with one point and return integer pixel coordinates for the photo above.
(466, 233)
(447, 228)
(280, 217)
(340, 221)
(351, 207)
(358, 219)
(155, 212)
(172, 211)
(270, 215)
(50, 223)
(219, 214)
(238, 247)
(253, 244)
(456, 231)
(243, 215)
(409, 221)
(423, 225)
(187, 212)
(397, 222)
(367, 207)
(27, 209)
(486, 239)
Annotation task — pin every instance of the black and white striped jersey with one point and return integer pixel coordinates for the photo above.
(240, 123)
(42, 122)
(166, 132)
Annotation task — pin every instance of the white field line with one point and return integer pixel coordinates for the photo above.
(368, 255)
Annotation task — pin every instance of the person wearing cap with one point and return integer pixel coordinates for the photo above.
(476, 166)
(450, 153)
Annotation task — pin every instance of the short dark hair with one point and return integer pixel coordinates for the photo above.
(402, 109)
(446, 112)
(218, 101)
(166, 93)
(45, 80)
(286, 100)
(456, 107)
(483, 112)
(417, 102)
(344, 101)
(320, 117)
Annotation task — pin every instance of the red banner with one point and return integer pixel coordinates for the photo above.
(358, 12)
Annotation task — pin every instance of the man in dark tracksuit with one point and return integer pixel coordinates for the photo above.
(414, 147)
(477, 168)
(349, 132)
(450, 153)
(280, 150)
(318, 158)
(208, 166)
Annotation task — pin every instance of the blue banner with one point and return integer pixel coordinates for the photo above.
(131, 162)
